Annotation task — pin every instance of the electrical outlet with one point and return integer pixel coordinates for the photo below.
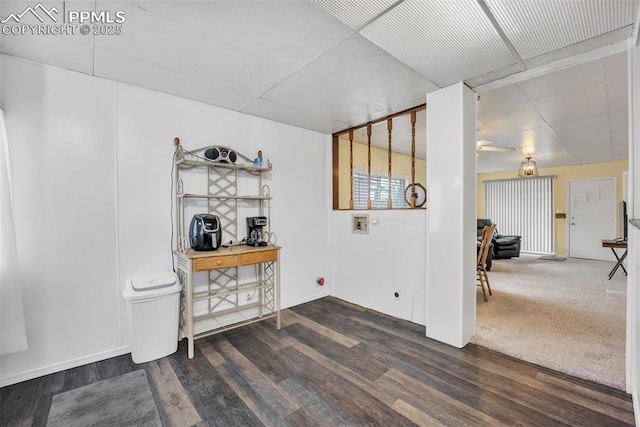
(249, 296)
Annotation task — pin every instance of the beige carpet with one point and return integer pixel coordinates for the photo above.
(562, 315)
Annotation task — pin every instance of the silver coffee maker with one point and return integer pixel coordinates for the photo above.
(255, 224)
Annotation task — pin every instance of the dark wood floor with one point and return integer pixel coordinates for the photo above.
(334, 364)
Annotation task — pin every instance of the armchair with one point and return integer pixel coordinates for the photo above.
(504, 246)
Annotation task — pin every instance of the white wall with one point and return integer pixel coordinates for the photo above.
(92, 162)
(61, 134)
(369, 268)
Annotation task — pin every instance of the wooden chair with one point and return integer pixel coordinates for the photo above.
(481, 260)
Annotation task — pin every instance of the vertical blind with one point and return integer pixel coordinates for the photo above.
(523, 207)
(379, 191)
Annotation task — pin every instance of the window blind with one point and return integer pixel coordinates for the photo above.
(523, 207)
(379, 191)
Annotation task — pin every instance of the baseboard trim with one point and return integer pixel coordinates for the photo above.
(305, 300)
(57, 367)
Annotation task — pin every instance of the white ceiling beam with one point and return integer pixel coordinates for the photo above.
(503, 36)
(578, 59)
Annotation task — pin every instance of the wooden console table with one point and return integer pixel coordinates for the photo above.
(220, 299)
(616, 244)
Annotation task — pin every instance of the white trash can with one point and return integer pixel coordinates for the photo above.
(153, 307)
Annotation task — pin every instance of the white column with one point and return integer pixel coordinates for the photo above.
(633, 209)
(451, 215)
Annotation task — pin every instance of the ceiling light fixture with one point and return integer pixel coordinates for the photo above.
(528, 168)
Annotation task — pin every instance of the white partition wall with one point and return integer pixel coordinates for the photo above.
(451, 215)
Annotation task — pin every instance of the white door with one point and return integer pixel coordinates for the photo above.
(592, 217)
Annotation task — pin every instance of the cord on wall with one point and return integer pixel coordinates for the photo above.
(413, 304)
(173, 165)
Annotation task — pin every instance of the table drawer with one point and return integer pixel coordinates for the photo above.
(257, 257)
(216, 262)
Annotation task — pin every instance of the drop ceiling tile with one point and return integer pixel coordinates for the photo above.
(288, 33)
(53, 17)
(588, 134)
(57, 51)
(518, 118)
(355, 14)
(121, 68)
(284, 114)
(617, 94)
(556, 161)
(482, 125)
(539, 136)
(620, 129)
(583, 157)
(358, 67)
(615, 66)
(539, 27)
(161, 42)
(564, 80)
(579, 103)
(498, 99)
(544, 150)
(474, 82)
(447, 42)
(304, 94)
(71, 50)
(495, 139)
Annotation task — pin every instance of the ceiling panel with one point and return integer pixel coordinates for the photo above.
(121, 68)
(543, 150)
(518, 118)
(284, 114)
(564, 80)
(617, 94)
(446, 42)
(498, 99)
(593, 156)
(69, 51)
(353, 13)
(288, 33)
(495, 139)
(556, 161)
(620, 129)
(358, 67)
(572, 105)
(586, 134)
(308, 95)
(56, 51)
(539, 136)
(159, 41)
(539, 27)
(615, 66)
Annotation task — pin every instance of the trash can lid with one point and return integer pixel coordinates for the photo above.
(149, 282)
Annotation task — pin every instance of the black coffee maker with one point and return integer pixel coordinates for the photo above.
(255, 224)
